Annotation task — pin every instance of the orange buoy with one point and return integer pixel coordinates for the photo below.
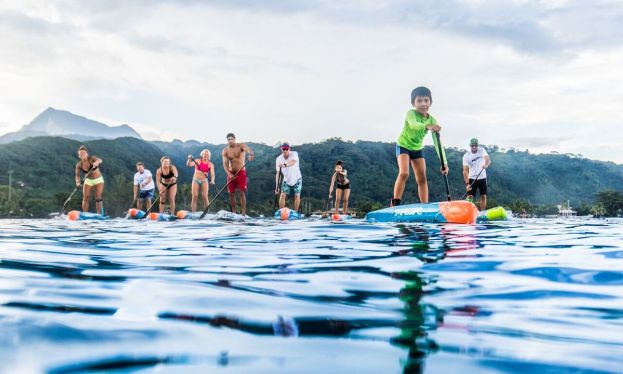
(459, 211)
(285, 214)
(153, 216)
(133, 212)
(181, 214)
(74, 215)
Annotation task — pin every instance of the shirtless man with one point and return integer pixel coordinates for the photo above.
(233, 162)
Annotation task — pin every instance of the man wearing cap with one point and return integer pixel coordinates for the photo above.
(234, 164)
(143, 186)
(475, 163)
(288, 164)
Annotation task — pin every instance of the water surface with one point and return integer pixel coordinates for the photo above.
(311, 296)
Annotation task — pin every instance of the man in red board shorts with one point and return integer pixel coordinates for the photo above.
(233, 162)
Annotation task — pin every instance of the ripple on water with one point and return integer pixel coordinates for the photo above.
(533, 295)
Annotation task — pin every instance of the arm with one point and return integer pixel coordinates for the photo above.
(277, 175)
(292, 160)
(78, 181)
(135, 190)
(175, 174)
(226, 163)
(437, 146)
(159, 179)
(487, 162)
(246, 148)
(212, 173)
(189, 160)
(332, 184)
(466, 174)
(147, 181)
(96, 161)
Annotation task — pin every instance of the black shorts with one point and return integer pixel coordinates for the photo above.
(479, 185)
(412, 154)
(343, 186)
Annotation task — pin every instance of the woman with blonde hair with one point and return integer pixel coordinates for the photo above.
(93, 179)
(203, 167)
(166, 179)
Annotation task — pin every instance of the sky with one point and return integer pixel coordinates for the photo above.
(539, 75)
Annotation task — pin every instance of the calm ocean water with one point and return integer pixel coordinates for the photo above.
(311, 296)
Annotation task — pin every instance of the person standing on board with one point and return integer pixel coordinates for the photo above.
(203, 167)
(287, 163)
(144, 186)
(166, 179)
(233, 162)
(342, 191)
(93, 179)
(475, 164)
(409, 145)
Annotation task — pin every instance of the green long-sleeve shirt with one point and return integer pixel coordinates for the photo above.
(414, 131)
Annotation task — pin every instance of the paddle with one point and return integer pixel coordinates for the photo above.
(76, 189)
(326, 208)
(472, 184)
(279, 181)
(202, 172)
(443, 165)
(221, 190)
(157, 200)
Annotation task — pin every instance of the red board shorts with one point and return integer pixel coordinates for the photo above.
(239, 182)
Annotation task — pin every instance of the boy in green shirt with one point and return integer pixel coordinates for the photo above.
(409, 145)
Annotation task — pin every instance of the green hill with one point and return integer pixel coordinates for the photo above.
(43, 167)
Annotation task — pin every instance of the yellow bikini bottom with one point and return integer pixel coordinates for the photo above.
(94, 182)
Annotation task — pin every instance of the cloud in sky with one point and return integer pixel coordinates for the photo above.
(506, 72)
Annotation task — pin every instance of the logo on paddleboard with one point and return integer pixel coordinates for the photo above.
(409, 211)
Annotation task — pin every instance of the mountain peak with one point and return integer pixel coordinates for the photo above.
(55, 122)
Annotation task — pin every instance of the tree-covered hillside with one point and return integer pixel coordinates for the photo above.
(43, 167)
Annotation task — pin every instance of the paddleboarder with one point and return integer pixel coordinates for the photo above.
(166, 179)
(233, 162)
(418, 123)
(143, 186)
(202, 179)
(287, 163)
(93, 179)
(342, 191)
(475, 164)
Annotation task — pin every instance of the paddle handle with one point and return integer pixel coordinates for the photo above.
(443, 165)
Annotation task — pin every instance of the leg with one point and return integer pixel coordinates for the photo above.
(148, 204)
(297, 201)
(232, 202)
(86, 196)
(204, 193)
(139, 204)
(345, 197)
(163, 200)
(338, 197)
(419, 169)
(483, 202)
(172, 193)
(99, 194)
(195, 192)
(403, 175)
(243, 203)
(282, 200)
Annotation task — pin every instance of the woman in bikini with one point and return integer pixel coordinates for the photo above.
(166, 178)
(343, 187)
(203, 167)
(93, 179)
